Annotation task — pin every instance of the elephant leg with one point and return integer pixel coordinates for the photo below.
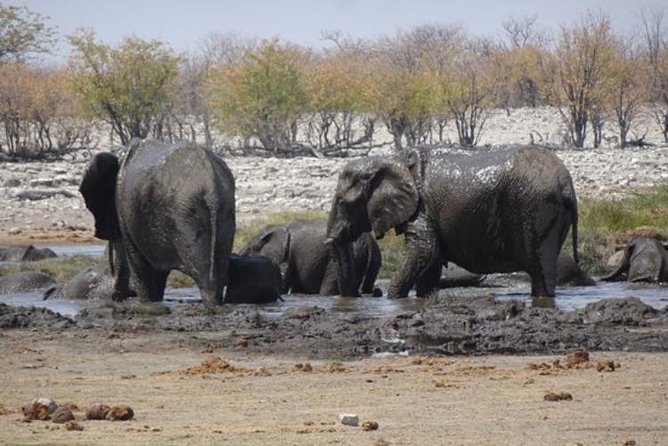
(543, 268)
(150, 281)
(370, 275)
(122, 273)
(330, 284)
(421, 252)
(428, 283)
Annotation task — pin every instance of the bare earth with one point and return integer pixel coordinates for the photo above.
(268, 400)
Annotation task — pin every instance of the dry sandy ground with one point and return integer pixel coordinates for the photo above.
(495, 400)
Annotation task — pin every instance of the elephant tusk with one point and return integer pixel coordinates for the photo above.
(329, 241)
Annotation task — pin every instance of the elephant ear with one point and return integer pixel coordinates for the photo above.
(272, 242)
(392, 197)
(98, 188)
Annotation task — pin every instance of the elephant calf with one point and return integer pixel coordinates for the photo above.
(645, 260)
(252, 280)
(305, 261)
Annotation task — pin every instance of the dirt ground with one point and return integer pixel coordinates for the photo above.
(185, 388)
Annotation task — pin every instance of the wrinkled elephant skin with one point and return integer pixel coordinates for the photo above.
(498, 211)
(165, 207)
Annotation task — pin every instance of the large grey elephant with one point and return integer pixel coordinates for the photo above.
(165, 207)
(500, 211)
(253, 280)
(25, 253)
(645, 260)
(305, 261)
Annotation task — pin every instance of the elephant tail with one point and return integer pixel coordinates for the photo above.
(571, 203)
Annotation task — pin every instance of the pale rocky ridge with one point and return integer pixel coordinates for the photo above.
(38, 196)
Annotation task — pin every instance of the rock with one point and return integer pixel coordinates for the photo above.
(120, 413)
(97, 412)
(369, 425)
(349, 419)
(62, 415)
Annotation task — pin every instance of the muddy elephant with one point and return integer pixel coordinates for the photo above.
(23, 281)
(499, 211)
(253, 280)
(645, 260)
(24, 253)
(95, 282)
(164, 207)
(305, 261)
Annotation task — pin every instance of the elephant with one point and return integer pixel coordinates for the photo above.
(25, 253)
(569, 272)
(253, 280)
(499, 211)
(95, 282)
(298, 247)
(164, 207)
(24, 281)
(645, 260)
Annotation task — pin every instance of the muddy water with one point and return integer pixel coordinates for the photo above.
(567, 299)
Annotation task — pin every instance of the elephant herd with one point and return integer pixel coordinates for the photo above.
(172, 207)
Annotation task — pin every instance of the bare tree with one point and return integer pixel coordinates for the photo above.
(656, 46)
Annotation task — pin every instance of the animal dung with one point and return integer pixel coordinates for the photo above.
(562, 396)
(97, 412)
(62, 415)
(369, 425)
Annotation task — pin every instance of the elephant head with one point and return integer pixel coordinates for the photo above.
(98, 188)
(271, 241)
(373, 194)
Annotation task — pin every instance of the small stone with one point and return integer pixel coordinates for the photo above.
(97, 412)
(630, 443)
(369, 425)
(120, 413)
(62, 415)
(349, 419)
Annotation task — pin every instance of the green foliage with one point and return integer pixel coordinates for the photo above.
(261, 97)
(22, 32)
(129, 86)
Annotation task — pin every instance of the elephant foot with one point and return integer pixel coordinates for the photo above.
(543, 302)
(119, 296)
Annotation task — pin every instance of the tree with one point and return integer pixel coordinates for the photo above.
(23, 32)
(127, 86)
(580, 65)
(656, 49)
(263, 96)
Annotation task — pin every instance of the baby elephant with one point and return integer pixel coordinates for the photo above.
(645, 260)
(252, 280)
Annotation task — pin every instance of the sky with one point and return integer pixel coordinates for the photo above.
(184, 24)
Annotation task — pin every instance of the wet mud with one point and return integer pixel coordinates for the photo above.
(445, 325)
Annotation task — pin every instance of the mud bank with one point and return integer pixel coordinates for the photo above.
(470, 325)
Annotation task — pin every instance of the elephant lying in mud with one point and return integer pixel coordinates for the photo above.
(305, 261)
(95, 282)
(500, 211)
(569, 273)
(164, 207)
(23, 281)
(253, 280)
(26, 253)
(645, 260)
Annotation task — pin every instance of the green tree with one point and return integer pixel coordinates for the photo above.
(127, 86)
(23, 32)
(263, 96)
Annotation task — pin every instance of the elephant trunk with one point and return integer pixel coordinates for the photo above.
(341, 253)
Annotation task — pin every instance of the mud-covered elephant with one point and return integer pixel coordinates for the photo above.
(164, 207)
(95, 282)
(253, 280)
(493, 211)
(645, 260)
(305, 261)
(25, 253)
(23, 281)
